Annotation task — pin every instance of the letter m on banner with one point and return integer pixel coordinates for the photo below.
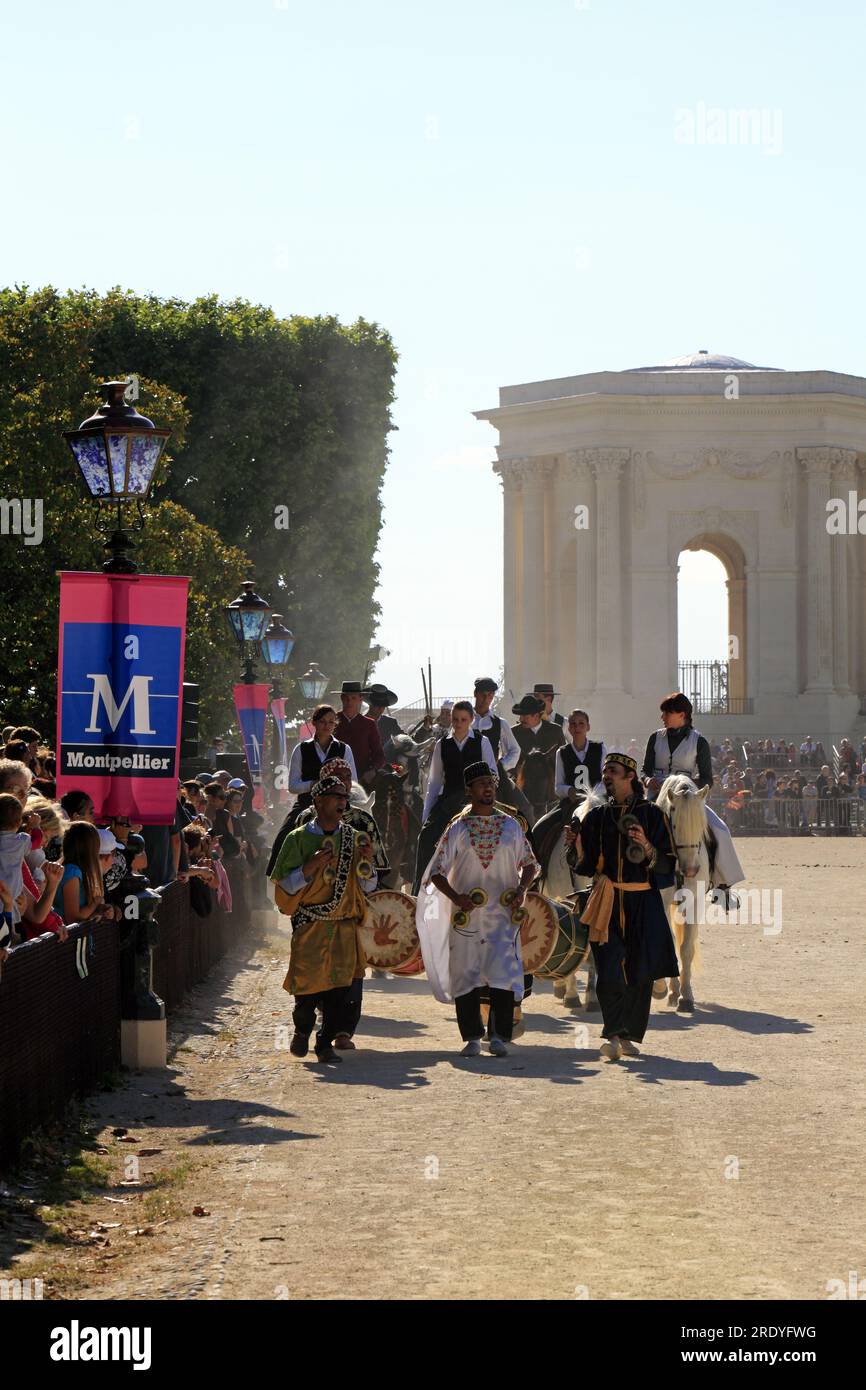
(120, 676)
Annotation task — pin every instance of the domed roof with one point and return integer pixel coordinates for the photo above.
(703, 360)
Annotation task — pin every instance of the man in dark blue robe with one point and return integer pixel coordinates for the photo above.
(627, 841)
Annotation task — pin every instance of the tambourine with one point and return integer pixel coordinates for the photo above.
(633, 853)
(459, 918)
(365, 868)
(518, 915)
(364, 842)
(478, 896)
(329, 873)
(507, 898)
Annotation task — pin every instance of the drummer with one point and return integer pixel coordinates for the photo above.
(482, 857)
(626, 846)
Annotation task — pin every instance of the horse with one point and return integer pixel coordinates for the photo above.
(558, 882)
(685, 807)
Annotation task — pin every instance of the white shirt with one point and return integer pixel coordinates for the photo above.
(296, 786)
(437, 772)
(560, 785)
(509, 748)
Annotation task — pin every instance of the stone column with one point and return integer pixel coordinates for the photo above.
(737, 653)
(535, 646)
(818, 466)
(844, 479)
(607, 466)
(511, 477)
(582, 494)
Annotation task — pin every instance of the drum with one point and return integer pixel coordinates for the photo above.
(553, 941)
(413, 966)
(388, 935)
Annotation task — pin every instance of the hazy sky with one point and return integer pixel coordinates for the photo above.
(515, 190)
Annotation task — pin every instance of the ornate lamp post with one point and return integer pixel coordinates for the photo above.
(313, 684)
(117, 451)
(248, 618)
(276, 646)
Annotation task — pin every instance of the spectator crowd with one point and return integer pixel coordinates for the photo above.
(60, 864)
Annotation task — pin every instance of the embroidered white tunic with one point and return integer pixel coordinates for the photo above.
(486, 852)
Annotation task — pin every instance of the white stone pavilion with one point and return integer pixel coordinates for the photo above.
(608, 477)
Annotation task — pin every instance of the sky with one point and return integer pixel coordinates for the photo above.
(515, 190)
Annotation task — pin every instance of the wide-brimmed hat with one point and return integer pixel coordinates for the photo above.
(379, 695)
(329, 786)
(542, 688)
(485, 683)
(528, 705)
(349, 688)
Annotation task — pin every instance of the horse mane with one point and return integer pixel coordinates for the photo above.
(589, 803)
(679, 796)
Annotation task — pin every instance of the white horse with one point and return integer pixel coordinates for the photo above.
(685, 808)
(558, 882)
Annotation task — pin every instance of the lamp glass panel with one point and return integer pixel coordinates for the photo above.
(89, 451)
(143, 458)
(236, 623)
(118, 445)
(277, 650)
(254, 623)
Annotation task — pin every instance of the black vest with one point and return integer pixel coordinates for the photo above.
(311, 767)
(493, 734)
(592, 762)
(455, 760)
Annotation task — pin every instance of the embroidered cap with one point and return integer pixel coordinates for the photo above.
(329, 786)
(474, 771)
(623, 759)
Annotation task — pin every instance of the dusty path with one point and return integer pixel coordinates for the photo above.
(411, 1172)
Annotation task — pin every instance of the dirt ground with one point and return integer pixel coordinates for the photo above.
(725, 1162)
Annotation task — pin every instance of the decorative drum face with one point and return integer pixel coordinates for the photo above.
(538, 933)
(388, 935)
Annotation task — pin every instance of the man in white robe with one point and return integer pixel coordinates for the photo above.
(482, 848)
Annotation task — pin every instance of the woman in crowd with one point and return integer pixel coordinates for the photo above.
(80, 895)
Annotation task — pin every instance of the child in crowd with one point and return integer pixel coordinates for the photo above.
(14, 845)
(80, 893)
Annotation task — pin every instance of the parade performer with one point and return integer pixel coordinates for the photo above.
(506, 749)
(545, 691)
(378, 698)
(446, 791)
(321, 887)
(308, 758)
(471, 891)
(679, 747)
(360, 732)
(626, 847)
(538, 739)
(569, 784)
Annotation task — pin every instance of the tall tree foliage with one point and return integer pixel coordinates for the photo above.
(267, 416)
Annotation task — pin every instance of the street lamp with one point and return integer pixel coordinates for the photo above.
(313, 684)
(117, 451)
(248, 617)
(276, 646)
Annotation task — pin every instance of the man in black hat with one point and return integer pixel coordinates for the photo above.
(538, 739)
(378, 698)
(360, 732)
(546, 692)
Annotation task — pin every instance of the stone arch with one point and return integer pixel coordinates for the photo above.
(733, 557)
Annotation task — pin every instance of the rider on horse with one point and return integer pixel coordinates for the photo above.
(679, 747)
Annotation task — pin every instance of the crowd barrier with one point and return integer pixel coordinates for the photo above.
(788, 816)
(60, 1003)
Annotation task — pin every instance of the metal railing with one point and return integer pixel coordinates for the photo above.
(707, 684)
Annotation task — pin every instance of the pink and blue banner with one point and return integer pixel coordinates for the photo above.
(278, 710)
(251, 703)
(120, 678)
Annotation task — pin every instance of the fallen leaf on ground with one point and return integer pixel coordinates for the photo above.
(200, 1211)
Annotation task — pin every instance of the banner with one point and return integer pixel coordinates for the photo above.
(120, 673)
(251, 703)
(278, 710)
